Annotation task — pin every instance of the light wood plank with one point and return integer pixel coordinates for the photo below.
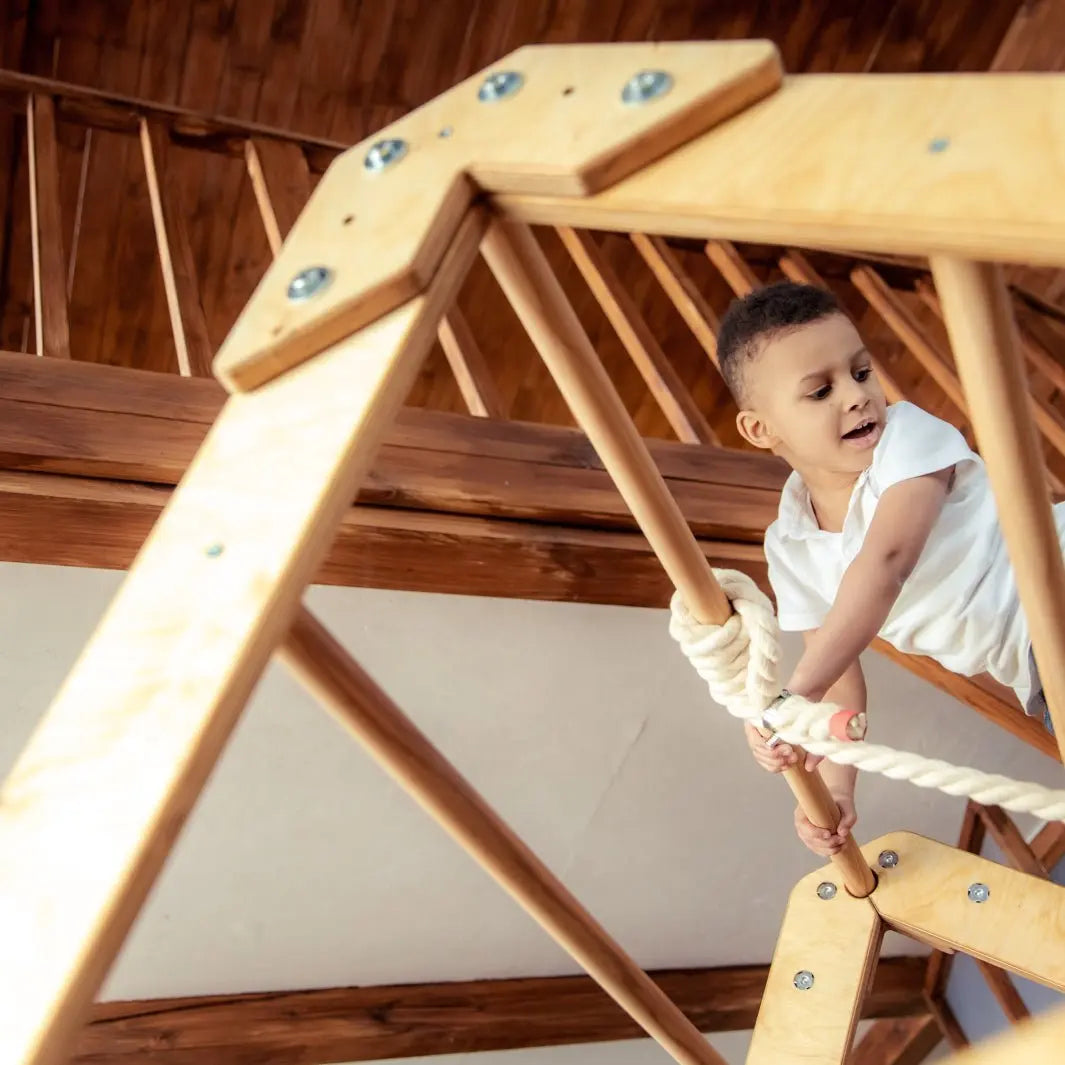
(1005, 992)
(733, 267)
(405, 215)
(417, 1020)
(46, 230)
(837, 942)
(523, 272)
(796, 267)
(681, 290)
(984, 337)
(470, 367)
(669, 391)
(281, 181)
(1020, 927)
(1037, 1042)
(809, 167)
(330, 674)
(94, 803)
(898, 1041)
(188, 322)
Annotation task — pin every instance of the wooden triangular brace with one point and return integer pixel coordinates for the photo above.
(955, 900)
(559, 119)
(822, 967)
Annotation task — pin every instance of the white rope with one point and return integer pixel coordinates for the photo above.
(739, 659)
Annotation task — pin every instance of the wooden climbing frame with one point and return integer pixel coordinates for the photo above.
(699, 140)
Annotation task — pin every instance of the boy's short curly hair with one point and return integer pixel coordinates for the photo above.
(763, 314)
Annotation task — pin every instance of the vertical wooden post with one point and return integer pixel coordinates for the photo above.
(363, 708)
(979, 319)
(187, 318)
(526, 278)
(46, 229)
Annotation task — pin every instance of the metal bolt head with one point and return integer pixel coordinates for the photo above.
(804, 980)
(499, 86)
(214, 550)
(308, 283)
(939, 144)
(979, 892)
(888, 859)
(645, 86)
(384, 154)
(826, 890)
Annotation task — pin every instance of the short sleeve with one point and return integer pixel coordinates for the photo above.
(800, 607)
(915, 444)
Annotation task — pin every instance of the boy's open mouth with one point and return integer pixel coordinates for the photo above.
(865, 432)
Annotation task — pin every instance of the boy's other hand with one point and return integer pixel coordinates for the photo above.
(822, 841)
(773, 759)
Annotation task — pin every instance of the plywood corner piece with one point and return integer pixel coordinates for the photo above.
(565, 131)
(955, 900)
(823, 964)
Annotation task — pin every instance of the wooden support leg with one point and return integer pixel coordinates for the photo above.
(362, 707)
(822, 967)
(979, 318)
(94, 804)
(526, 278)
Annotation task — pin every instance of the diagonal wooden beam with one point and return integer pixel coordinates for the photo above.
(46, 230)
(188, 320)
(470, 367)
(732, 266)
(795, 266)
(1001, 828)
(682, 291)
(1004, 990)
(1049, 844)
(948, 1023)
(898, 1041)
(659, 374)
(281, 181)
(370, 1023)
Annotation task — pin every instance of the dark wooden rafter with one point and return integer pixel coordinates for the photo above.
(898, 1041)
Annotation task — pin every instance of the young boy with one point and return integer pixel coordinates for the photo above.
(886, 525)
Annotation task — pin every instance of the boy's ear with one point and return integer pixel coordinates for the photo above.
(755, 430)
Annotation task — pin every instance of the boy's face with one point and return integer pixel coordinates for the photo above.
(813, 398)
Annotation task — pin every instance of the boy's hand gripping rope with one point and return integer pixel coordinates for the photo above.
(739, 659)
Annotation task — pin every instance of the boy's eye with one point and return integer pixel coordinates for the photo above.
(821, 393)
(863, 374)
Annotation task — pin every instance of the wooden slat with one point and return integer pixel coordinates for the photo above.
(188, 322)
(322, 665)
(1014, 846)
(898, 1041)
(669, 391)
(734, 268)
(1005, 992)
(982, 332)
(96, 799)
(948, 1024)
(1005, 715)
(795, 266)
(46, 222)
(1049, 844)
(837, 941)
(470, 367)
(681, 289)
(281, 180)
(371, 1023)
(810, 165)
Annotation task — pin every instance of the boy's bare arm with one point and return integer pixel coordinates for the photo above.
(904, 517)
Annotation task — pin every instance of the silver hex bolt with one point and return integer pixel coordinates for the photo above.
(645, 86)
(308, 283)
(803, 980)
(384, 154)
(888, 859)
(499, 86)
(826, 890)
(979, 892)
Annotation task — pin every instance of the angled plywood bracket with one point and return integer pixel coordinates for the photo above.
(822, 967)
(565, 120)
(955, 900)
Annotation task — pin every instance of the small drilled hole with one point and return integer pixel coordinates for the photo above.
(567, 90)
(348, 219)
(276, 331)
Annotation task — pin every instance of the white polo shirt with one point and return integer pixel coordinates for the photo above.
(960, 604)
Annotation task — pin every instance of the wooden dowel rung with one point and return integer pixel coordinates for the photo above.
(327, 670)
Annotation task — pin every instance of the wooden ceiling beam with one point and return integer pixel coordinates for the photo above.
(732, 266)
(119, 113)
(363, 1024)
(1007, 836)
(661, 377)
(1005, 991)
(281, 181)
(1049, 844)
(470, 368)
(46, 231)
(898, 1041)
